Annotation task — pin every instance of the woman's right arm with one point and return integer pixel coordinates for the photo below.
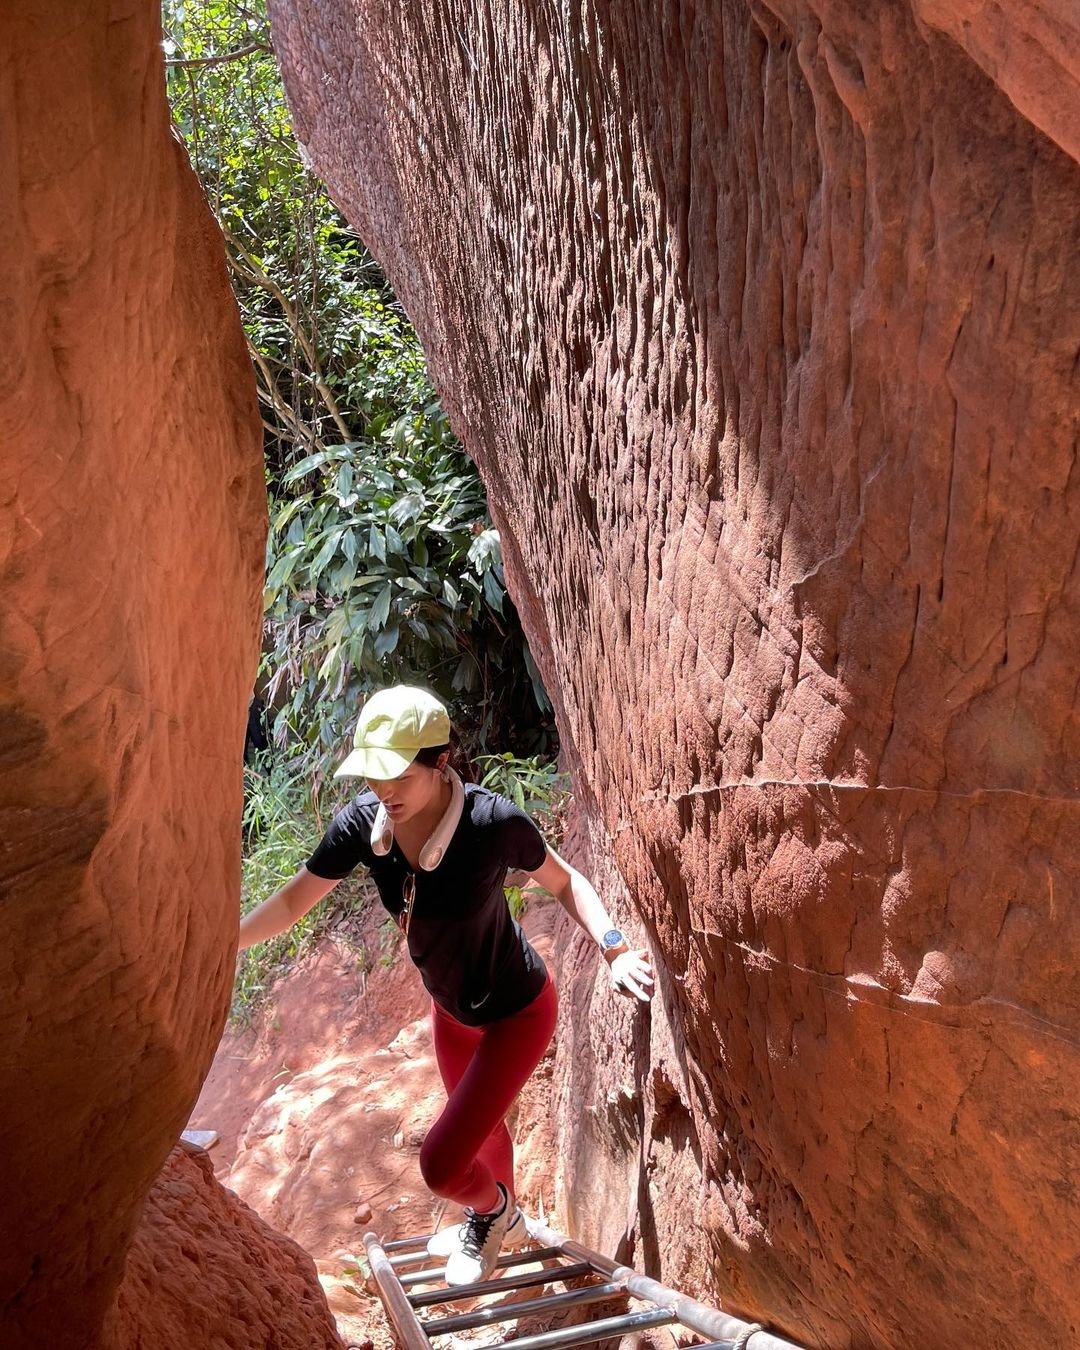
(289, 903)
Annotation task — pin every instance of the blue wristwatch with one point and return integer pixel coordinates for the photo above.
(613, 944)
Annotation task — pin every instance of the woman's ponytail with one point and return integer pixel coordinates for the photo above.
(458, 759)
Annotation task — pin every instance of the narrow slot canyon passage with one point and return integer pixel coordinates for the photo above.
(758, 320)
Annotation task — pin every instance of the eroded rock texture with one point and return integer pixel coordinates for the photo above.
(761, 321)
(131, 535)
(205, 1271)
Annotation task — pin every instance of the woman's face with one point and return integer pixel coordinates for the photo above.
(409, 794)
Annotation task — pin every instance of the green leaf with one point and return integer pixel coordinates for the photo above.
(465, 675)
(343, 575)
(305, 467)
(493, 592)
(408, 508)
(539, 692)
(380, 610)
(386, 641)
(376, 544)
(485, 550)
(286, 514)
(357, 649)
(329, 663)
(282, 570)
(325, 553)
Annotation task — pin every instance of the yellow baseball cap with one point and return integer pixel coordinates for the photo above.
(394, 724)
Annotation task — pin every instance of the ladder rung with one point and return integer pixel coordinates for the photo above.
(606, 1329)
(451, 1293)
(407, 1244)
(509, 1312)
(404, 1259)
(524, 1257)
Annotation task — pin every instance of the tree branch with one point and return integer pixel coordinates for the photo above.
(272, 396)
(194, 62)
(255, 273)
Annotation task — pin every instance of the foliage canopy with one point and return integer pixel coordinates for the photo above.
(382, 564)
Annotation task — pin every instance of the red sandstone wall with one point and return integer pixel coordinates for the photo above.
(131, 542)
(761, 321)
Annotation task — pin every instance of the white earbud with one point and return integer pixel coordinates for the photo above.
(433, 852)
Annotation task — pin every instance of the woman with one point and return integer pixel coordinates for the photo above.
(439, 851)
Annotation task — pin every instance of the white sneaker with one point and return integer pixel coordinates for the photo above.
(449, 1240)
(481, 1241)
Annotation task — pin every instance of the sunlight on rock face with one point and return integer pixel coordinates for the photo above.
(761, 324)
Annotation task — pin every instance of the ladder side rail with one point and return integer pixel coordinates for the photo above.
(710, 1322)
(407, 1325)
(720, 1326)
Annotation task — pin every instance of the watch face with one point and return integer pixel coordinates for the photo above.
(613, 938)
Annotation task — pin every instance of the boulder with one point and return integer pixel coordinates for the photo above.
(761, 321)
(204, 1270)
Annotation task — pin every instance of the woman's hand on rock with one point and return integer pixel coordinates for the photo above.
(632, 975)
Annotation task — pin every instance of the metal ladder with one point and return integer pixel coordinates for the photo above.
(408, 1284)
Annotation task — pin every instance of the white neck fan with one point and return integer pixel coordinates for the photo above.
(431, 855)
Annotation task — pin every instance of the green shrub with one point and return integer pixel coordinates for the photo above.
(383, 569)
(535, 784)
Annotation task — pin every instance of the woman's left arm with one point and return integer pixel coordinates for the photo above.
(631, 972)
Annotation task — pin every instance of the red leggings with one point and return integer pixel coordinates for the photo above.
(483, 1069)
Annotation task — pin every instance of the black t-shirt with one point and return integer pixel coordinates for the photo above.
(474, 959)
